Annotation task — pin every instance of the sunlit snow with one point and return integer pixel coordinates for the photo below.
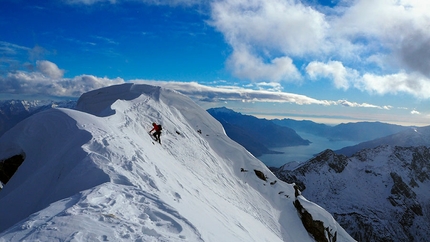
(96, 175)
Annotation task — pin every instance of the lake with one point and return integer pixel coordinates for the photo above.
(303, 153)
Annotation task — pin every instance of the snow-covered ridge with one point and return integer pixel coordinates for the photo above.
(14, 111)
(94, 174)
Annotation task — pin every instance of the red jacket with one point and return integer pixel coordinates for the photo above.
(156, 128)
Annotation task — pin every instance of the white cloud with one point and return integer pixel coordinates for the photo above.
(366, 36)
(269, 86)
(334, 70)
(247, 66)
(264, 34)
(225, 93)
(415, 112)
(49, 69)
(37, 83)
(394, 30)
(414, 84)
(47, 81)
(361, 105)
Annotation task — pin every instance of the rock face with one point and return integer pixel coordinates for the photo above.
(379, 194)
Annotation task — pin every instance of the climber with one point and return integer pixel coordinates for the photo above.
(157, 128)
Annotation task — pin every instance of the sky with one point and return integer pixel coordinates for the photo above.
(326, 61)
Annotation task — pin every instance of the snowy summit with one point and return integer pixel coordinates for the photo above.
(95, 174)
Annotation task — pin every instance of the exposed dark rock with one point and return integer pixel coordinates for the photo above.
(400, 188)
(260, 175)
(390, 203)
(314, 227)
(9, 166)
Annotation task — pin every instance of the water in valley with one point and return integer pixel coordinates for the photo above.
(302, 153)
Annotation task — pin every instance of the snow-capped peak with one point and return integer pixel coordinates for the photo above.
(96, 174)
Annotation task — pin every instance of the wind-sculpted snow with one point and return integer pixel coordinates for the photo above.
(96, 175)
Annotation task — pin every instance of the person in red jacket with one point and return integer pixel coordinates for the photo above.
(157, 133)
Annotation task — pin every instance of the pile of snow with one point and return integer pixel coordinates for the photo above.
(94, 174)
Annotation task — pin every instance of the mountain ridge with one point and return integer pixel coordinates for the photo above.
(417, 136)
(263, 133)
(359, 131)
(95, 174)
(378, 194)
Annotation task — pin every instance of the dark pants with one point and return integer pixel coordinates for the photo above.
(157, 136)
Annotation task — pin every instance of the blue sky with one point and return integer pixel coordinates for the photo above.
(327, 61)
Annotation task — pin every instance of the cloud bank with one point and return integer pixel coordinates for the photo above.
(48, 81)
(233, 93)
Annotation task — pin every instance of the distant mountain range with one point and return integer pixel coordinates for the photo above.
(255, 134)
(419, 136)
(360, 131)
(14, 111)
(259, 136)
(379, 194)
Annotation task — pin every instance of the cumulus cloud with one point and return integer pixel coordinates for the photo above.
(49, 69)
(415, 52)
(334, 70)
(247, 66)
(414, 84)
(264, 34)
(395, 30)
(267, 35)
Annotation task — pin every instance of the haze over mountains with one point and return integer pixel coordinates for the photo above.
(360, 131)
(256, 135)
(414, 136)
(94, 174)
(259, 136)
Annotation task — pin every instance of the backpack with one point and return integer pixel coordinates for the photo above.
(159, 127)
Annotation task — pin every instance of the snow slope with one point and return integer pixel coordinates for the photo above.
(94, 174)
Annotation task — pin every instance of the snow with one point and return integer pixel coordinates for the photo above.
(95, 174)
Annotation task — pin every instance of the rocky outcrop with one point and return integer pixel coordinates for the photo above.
(9, 166)
(316, 228)
(378, 194)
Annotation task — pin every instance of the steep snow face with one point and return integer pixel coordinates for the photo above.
(95, 174)
(379, 194)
